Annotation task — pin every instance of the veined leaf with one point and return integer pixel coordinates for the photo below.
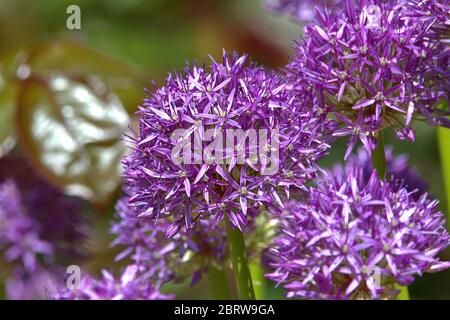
(71, 130)
(76, 60)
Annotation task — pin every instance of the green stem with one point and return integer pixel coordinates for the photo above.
(257, 274)
(241, 270)
(379, 163)
(379, 156)
(404, 292)
(444, 149)
(218, 283)
(264, 289)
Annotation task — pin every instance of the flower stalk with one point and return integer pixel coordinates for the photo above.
(379, 156)
(444, 149)
(244, 283)
(380, 164)
(257, 274)
(218, 283)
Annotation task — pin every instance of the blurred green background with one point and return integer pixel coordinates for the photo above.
(154, 37)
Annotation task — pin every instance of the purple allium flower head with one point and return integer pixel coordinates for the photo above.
(374, 66)
(435, 13)
(353, 238)
(302, 10)
(179, 256)
(58, 219)
(42, 227)
(26, 285)
(434, 16)
(130, 286)
(19, 238)
(397, 168)
(275, 139)
(145, 243)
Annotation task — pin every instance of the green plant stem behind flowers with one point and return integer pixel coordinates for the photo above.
(218, 283)
(239, 260)
(444, 149)
(379, 163)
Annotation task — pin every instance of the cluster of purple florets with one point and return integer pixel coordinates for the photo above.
(222, 97)
(373, 66)
(162, 259)
(131, 285)
(347, 233)
(40, 229)
(360, 68)
(19, 236)
(355, 236)
(173, 212)
(302, 10)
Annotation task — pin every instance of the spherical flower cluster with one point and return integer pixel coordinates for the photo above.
(58, 218)
(19, 238)
(353, 238)
(397, 168)
(39, 228)
(145, 243)
(176, 258)
(130, 286)
(218, 140)
(25, 285)
(302, 10)
(374, 67)
(434, 16)
(435, 13)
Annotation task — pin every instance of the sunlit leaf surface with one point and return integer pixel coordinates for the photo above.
(71, 130)
(74, 59)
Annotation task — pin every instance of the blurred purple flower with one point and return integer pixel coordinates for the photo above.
(145, 244)
(302, 10)
(229, 96)
(26, 285)
(39, 228)
(131, 285)
(373, 66)
(19, 238)
(397, 167)
(354, 238)
(176, 258)
(23, 248)
(58, 219)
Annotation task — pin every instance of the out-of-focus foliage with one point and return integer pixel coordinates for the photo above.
(76, 60)
(7, 104)
(68, 121)
(71, 129)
